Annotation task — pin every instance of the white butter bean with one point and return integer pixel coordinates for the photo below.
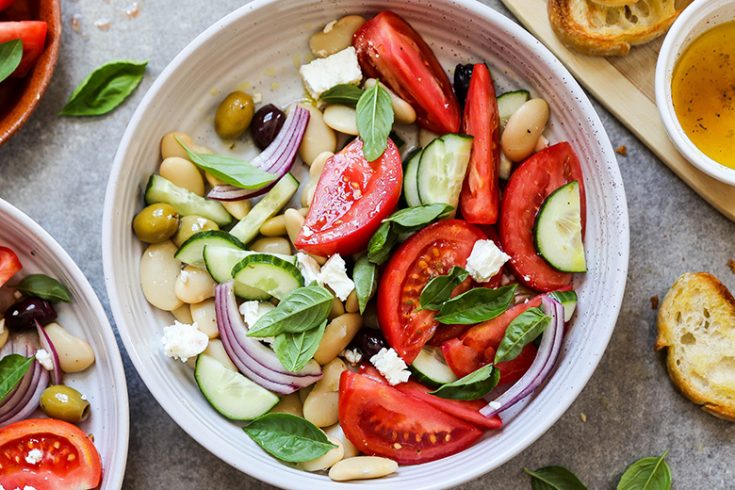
(362, 468)
(337, 309)
(294, 223)
(6, 333)
(541, 144)
(307, 194)
(289, 404)
(158, 273)
(321, 407)
(404, 113)
(274, 227)
(272, 245)
(171, 148)
(75, 354)
(238, 209)
(183, 314)
(336, 36)
(341, 118)
(338, 334)
(336, 432)
(318, 137)
(524, 128)
(205, 316)
(216, 349)
(317, 166)
(332, 457)
(351, 304)
(183, 173)
(194, 285)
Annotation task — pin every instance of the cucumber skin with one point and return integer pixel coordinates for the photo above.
(444, 140)
(272, 260)
(203, 235)
(241, 290)
(248, 227)
(536, 233)
(411, 189)
(514, 93)
(221, 216)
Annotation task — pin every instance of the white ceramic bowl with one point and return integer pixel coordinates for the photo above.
(104, 382)
(697, 18)
(263, 43)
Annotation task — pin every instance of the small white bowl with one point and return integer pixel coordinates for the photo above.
(697, 18)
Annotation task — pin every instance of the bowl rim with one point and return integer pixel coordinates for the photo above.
(672, 48)
(199, 430)
(112, 476)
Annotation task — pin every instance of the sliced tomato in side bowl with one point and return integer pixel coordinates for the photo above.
(528, 187)
(390, 49)
(9, 264)
(351, 199)
(33, 35)
(381, 420)
(69, 460)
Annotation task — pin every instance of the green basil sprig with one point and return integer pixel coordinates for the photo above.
(365, 277)
(374, 121)
(554, 478)
(472, 387)
(381, 243)
(44, 287)
(105, 88)
(439, 289)
(302, 309)
(652, 473)
(295, 350)
(289, 438)
(12, 369)
(343, 93)
(11, 52)
(476, 305)
(522, 331)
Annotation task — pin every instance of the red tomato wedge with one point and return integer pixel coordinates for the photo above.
(69, 460)
(528, 187)
(431, 252)
(351, 199)
(479, 201)
(33, 35)
(9, 264)
(390, 49)
(381, 420)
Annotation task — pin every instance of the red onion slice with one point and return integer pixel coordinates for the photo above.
(48, 346)
(32, 399)
(20, 390)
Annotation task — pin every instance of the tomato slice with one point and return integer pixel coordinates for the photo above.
(69, 460)
(430, 252)
(380, 420)
(528, 187)
(9, 264)
(33, 35)
(480, 197)
(351, 199)
(390, 49)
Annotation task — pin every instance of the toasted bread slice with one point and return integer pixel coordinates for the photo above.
(607, 28)
(696, 324)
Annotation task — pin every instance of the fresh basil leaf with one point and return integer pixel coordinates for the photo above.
(11, 52)
(105, 88)
(476, 305)
(522, 331)
(439, 289)
(554, 478)
(381, 243)
(472, 387)
(399, 142)
(652, 473)
(343, 93)
(230, 169)
(12, 369)
(294, 350)
(374, 121)
(365, 277)
(410, 219)
(288, 437)
(44, 287)
(302, 309)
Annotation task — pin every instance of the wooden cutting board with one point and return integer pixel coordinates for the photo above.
(625, 86)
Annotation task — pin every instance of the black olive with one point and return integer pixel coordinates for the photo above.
(267, 122)
(369, 341)
(23, 313)
(462, 76)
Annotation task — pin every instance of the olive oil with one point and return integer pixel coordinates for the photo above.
(703, 92)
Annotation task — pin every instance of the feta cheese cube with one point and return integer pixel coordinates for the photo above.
(334, 275)
(182, 341)
(353, 356)
(485, 260)
(324, 73)
(34, 456)
(391, 366)
(253, 310)
(309, 268)
(44, 358)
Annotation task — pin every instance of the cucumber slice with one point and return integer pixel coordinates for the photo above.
(558, 230)
(220, 261)
(268, 273)
(442, 169)
(192, 250)
(277, 197)
(410, 182)
(185, 202)
(510, 102)
(430, 368)
(568, 300)
(229, 392)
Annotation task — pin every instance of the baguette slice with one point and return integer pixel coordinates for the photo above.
(611, 29)
(696, 324)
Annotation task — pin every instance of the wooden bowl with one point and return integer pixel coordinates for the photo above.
(20, 97)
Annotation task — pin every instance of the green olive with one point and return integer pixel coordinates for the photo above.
(156, 223)
(233, 115)
(64, 403)
(191, 225)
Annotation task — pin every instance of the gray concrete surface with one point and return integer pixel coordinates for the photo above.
(56, 170)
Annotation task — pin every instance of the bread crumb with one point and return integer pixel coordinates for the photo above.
(654, 302)
(731, 264)
(583, 417)
(622, 150)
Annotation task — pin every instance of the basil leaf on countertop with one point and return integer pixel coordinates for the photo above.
(522, 331)
(439, 289)
(652, 473)
(554, 478)
(295, 350)
(12, 369)
(105, 88)
(230, 169)
(365, 277)
(381, 243)
(343, 93)
(44, 287)
(476, 305)
(11, 52)
(472, 387)
(374, 121)
(302, 309)
(411, 219)
(288, 437)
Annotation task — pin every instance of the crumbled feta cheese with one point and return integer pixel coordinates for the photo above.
(34, 456)
(353, 356)
(44, 358)
(334, 275)
(391, 366)
(494, 405)
(62, 397)
(324, 73)
(27, 487)
(253, 310)
(485, 260)
(309, 268)
(182, 341)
